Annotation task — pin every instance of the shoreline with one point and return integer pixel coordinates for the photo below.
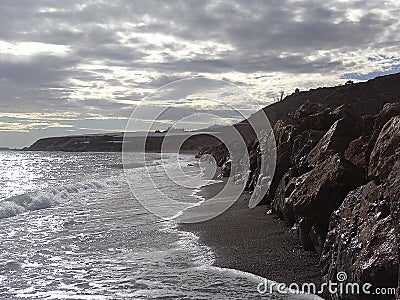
(252, 241)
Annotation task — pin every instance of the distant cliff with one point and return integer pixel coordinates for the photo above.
(191, 141)
(78, 143)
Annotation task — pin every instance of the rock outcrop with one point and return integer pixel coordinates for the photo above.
(363, 236)
(337, 178)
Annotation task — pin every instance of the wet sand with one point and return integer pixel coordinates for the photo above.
(254, 241)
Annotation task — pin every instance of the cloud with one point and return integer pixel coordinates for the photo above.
(98, 59)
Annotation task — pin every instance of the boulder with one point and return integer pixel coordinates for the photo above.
(308, 108)
(386, 150)
(302, 145)
(255, 161)
(389, 110)
(219, 152)
(320, 191)
(356, 152)
(319, 121)
(345, 111)
(335, 140)
(361, 241)
(364, 236)
(392, 192)
(280, 204)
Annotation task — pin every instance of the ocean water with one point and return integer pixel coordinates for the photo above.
(70, 228)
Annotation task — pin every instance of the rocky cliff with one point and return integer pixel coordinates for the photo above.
(337, 177)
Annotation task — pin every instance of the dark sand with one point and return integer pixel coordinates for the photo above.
(253, 241)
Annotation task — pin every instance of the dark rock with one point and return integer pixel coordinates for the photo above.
(319, 121)
(392, 192)
(364, 236)
(318, 235)
(280, 205)
(255, 161)
(220, 153)
(386, 150)
(356, 152)
(336, 140)
(302, 146)
(389, 110)
(361, 241)
(307, 109)
(304, 229)
(368, 123)
(345, 111)
(321, 191)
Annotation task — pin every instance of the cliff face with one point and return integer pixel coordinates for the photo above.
(337, 178)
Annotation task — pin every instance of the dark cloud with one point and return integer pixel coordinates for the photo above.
(122, 50)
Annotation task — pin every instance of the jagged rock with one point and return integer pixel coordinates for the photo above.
(389, 110)
(280, 206)
(336, 140)
(361, 241)
(321, 191)
(356, 153)
(392, 192)
(364, 236)
(318, 235)
(294, 141)
(219, 152)
(255, 161)
(386, 150)
(304, 229)
(345, 111)
(307, 109)
(319, 121)
(313, 197)
(302, 146)
(226, 169)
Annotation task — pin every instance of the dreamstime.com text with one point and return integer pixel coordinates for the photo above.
(335, 288)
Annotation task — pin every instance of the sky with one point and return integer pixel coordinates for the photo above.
(73, 67)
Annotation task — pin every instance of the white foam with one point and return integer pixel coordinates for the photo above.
(42, 199)
(257, 279)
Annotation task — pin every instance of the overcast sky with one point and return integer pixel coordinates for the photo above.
(70, 67)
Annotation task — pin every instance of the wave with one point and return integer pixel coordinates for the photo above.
(204, 259)
(42, 199)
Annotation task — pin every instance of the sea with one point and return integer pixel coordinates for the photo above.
(71, 228)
